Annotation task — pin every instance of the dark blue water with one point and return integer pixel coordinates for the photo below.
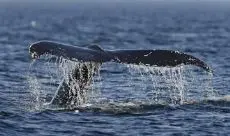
(127, 100)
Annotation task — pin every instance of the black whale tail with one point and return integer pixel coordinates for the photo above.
(161, 58)
(94, 53)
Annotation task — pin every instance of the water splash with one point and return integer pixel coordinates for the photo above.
(46, 74)
(177, 85)
(155, 85)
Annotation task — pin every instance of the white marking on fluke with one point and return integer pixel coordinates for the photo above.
(148, 54)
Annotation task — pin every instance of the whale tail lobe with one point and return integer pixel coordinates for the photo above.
(161, 58)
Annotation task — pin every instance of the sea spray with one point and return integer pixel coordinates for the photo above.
(35, 97)
(172, 85)
(139, 83)
(200, 84)
(46, 74)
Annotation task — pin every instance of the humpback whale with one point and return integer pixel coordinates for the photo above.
(64, 95)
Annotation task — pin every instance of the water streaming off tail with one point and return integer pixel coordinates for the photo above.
(131, 83)
(46, 75)
(177, 85)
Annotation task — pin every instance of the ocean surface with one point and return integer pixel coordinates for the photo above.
(123, 99)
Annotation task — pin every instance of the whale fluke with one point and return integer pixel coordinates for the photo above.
(94, 53)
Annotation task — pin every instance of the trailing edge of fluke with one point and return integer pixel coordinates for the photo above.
(161, 58)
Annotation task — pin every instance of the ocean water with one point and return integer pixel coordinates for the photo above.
(123, 99)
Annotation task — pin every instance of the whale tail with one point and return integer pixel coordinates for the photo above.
(94, 53)
(66, 96)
